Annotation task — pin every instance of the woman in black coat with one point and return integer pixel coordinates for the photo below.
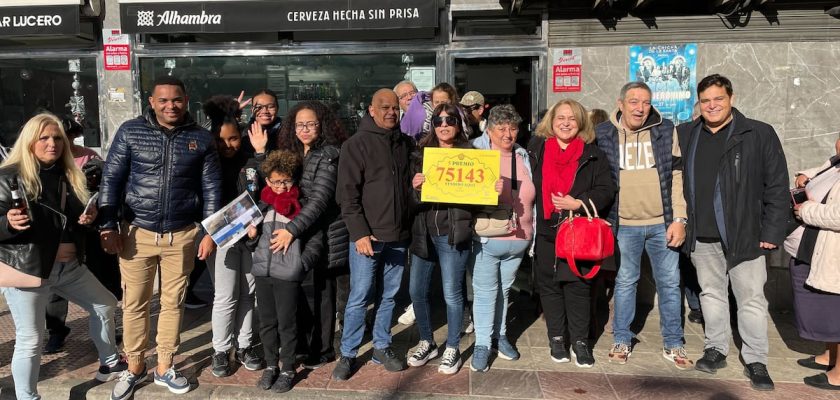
(569, 171)
(313, 131)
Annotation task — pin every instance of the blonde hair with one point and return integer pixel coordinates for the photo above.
(29, 166)
(585, 129)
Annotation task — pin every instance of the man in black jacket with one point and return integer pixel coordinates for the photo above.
(736, 185)
(374, 193)
(163, 173)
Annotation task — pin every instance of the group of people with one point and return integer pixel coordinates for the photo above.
(345, 212)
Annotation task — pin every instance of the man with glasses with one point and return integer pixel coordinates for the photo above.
(374, 193)
(473, 103)
(405, 91)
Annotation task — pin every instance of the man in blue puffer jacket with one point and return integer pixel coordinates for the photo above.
(162, 173)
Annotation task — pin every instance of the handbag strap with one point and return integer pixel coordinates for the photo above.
(573, 267)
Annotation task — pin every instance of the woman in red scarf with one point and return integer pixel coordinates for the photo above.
(568, 171)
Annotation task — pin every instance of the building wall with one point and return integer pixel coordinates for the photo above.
(793, 86)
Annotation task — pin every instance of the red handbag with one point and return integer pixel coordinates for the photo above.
(584, 239)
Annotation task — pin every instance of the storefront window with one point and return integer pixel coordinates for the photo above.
(344, 82)
(30, 86)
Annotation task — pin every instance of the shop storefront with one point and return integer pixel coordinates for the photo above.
(338, 52)
(48, 62)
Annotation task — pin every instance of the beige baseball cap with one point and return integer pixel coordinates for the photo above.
(472, 98)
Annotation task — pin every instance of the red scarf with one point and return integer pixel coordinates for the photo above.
(285, 203)
(558, 170)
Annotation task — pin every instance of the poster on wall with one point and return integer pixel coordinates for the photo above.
(116, 49)
(566, 65)
(671, 72)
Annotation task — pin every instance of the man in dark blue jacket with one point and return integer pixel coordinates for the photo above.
(162, 174)
(736, 185)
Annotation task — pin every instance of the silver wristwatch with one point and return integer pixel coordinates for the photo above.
(681, 220)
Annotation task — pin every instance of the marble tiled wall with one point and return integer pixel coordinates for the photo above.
(793, 86)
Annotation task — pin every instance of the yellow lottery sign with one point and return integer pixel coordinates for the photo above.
(461, 176)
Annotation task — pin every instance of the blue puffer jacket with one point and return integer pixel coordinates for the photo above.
(166, 179)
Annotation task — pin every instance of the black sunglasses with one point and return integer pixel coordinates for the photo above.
(437, 121)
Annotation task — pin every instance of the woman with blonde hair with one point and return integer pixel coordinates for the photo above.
(42, 241)
(570, 173)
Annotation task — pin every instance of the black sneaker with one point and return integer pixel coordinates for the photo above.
(221, 364)
(343, 368)
(315, 362)
(56, 341)
(250, 359)
(388, 359)
(284, 382)
(695, 316)
(193, 302)
(583, 354)
(268, 378)
(559, 353)
(425, 351)
(759, 377)
(108, 373)
(711, 361)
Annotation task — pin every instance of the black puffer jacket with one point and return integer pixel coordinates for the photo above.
(167, 179)
(33, 251)
(319, 209)
(459, 218)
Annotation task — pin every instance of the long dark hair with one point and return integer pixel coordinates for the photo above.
(331, 131)
(221, 109)
(454, 110)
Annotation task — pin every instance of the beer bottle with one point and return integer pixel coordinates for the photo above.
(17, 195)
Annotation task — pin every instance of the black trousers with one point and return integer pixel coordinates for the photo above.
(566, 305)
(277, 300)
(316, 313)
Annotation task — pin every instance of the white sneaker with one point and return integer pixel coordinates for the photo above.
(470, 328)
(407, 318)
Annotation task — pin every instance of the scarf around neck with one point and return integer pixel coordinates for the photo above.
(285, 204)
(558, 170)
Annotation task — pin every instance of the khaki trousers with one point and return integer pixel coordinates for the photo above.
(142, 251)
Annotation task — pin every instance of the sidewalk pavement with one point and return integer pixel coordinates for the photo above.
(647, 375)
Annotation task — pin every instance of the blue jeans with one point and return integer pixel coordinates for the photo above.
(28, 307)
(666, 273)
(453, 263)
(383, 270)
(494, 270)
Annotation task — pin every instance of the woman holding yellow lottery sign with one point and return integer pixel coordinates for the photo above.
(441, 233)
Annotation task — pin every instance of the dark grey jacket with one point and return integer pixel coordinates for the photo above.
(302, 255)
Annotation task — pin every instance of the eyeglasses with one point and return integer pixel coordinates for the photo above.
(308, 125)
(472, 107)
(450, 120)
(407, 94)
(260, 107)
(284, 183)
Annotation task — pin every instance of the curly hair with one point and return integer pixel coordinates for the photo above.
(221, 110)
(331, 130)
(283, 162)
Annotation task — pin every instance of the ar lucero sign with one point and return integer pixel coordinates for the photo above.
(49, 20)
(277, 16)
